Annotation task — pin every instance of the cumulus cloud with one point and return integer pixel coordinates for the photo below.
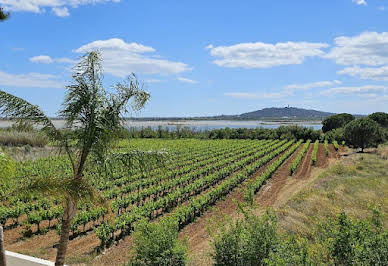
(265, 55)
(121, 58)
(61, 11)
(318, 84)
(372, 73)
(360, 2)
(58, 7)
(355, 90)
(45, 59)
(30, 80)
(368, 48)
(186, 80)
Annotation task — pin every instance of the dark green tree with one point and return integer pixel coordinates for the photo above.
(336, 121)
(3, 15)
(380, 117)
(93, 119)
(363, 133)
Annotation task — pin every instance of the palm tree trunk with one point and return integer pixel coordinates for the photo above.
(2, 252)
(68, 215)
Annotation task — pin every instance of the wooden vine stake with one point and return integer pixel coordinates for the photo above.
(2, 252)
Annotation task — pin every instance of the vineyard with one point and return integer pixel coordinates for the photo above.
(192, 176)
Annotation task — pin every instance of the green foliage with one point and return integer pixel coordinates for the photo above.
(282, 132)
(356, 242)
(335, 144)
(290, 251)
(255, 240)
(336, 121)
(294, 165)
(158, 244)
(381, 118)
(7, 172)
(105, 233)
(247, 241)
(337, 134)
(326, 146)
(315, 151)
(363, 133)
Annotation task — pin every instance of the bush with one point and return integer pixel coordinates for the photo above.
(357, 242)
(246, 242)
(157, 244)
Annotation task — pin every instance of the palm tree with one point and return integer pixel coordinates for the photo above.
(3, 15)
(94, 117)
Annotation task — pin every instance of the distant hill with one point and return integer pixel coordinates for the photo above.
(285, 112)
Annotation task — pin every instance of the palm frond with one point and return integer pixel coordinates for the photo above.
(14, 107)
(3, 15)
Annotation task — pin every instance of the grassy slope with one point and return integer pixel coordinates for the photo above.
(355, 185)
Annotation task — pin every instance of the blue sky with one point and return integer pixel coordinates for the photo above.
(204, 57)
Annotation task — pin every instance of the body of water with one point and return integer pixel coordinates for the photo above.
(201, 125)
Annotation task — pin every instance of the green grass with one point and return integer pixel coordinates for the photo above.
(355, 185)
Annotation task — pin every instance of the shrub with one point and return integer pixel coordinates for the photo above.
(248, 241)
(158, 244)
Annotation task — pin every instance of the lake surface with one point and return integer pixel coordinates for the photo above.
(201, 125)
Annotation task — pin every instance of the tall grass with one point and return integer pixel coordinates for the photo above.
(17, 138)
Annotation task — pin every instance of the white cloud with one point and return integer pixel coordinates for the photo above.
(318, 84)
(372, 73)
(368, 48)
(360, 2)
(264, 55)
(61, 11)
(58, 7)
(121, 58)
(30, 80)
(45, 59)
(186, 80)
(353, 90)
